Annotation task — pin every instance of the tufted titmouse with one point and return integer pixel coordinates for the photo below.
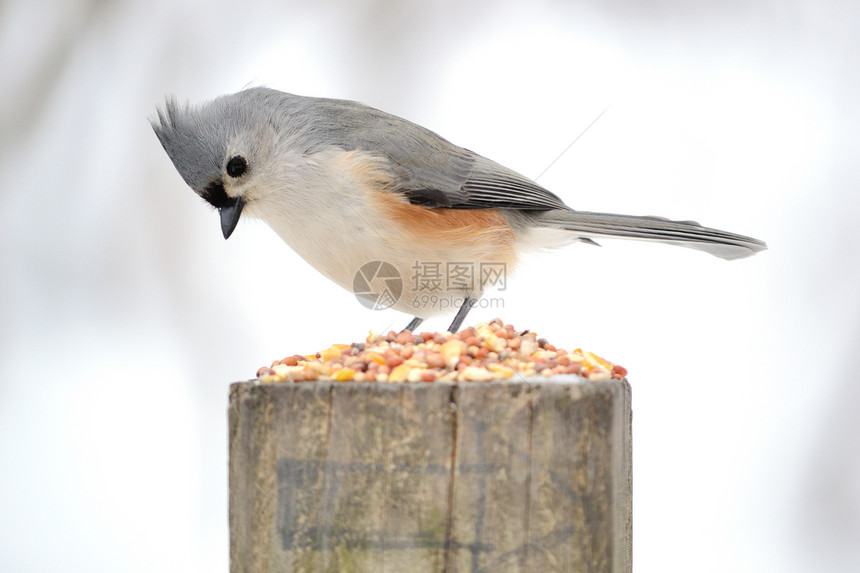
(346, 185)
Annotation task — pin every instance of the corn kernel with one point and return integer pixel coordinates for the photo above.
(343, 375)
(376, 357)
(400, 373)
(329, 354)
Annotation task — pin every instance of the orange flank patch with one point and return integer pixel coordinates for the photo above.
(463, 226)
(478, 234)
(486, 231)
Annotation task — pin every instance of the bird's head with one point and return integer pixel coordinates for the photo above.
(223, 149)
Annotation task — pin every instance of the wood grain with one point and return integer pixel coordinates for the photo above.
(499, 476)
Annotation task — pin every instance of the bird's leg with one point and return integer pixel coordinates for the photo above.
(467, 305)
(413, 324)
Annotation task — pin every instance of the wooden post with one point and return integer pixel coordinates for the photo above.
(530, 476)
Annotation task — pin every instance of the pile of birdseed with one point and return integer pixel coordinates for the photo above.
(487, 351)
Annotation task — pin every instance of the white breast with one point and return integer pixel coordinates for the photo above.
(329, 212)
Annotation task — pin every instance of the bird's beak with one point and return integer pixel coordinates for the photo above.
(230, 216)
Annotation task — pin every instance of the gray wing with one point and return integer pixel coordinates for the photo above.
(492, 185)
(430, 170)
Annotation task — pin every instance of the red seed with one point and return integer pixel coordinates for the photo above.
(291, 360)
(404, 337)
(435, 360)
(428, 375)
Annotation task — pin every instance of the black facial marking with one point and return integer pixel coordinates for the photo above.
(216, 196)
(237, 166)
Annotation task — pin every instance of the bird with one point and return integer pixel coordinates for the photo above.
(362, 194)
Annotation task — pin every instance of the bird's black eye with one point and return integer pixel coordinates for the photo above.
(237, 166)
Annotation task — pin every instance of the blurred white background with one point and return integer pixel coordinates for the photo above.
(124, 315)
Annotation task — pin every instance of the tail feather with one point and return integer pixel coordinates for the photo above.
(682, 233)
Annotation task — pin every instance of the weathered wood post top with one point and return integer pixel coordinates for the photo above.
(521, 475)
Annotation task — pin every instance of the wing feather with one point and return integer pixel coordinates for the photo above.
(429, 170)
